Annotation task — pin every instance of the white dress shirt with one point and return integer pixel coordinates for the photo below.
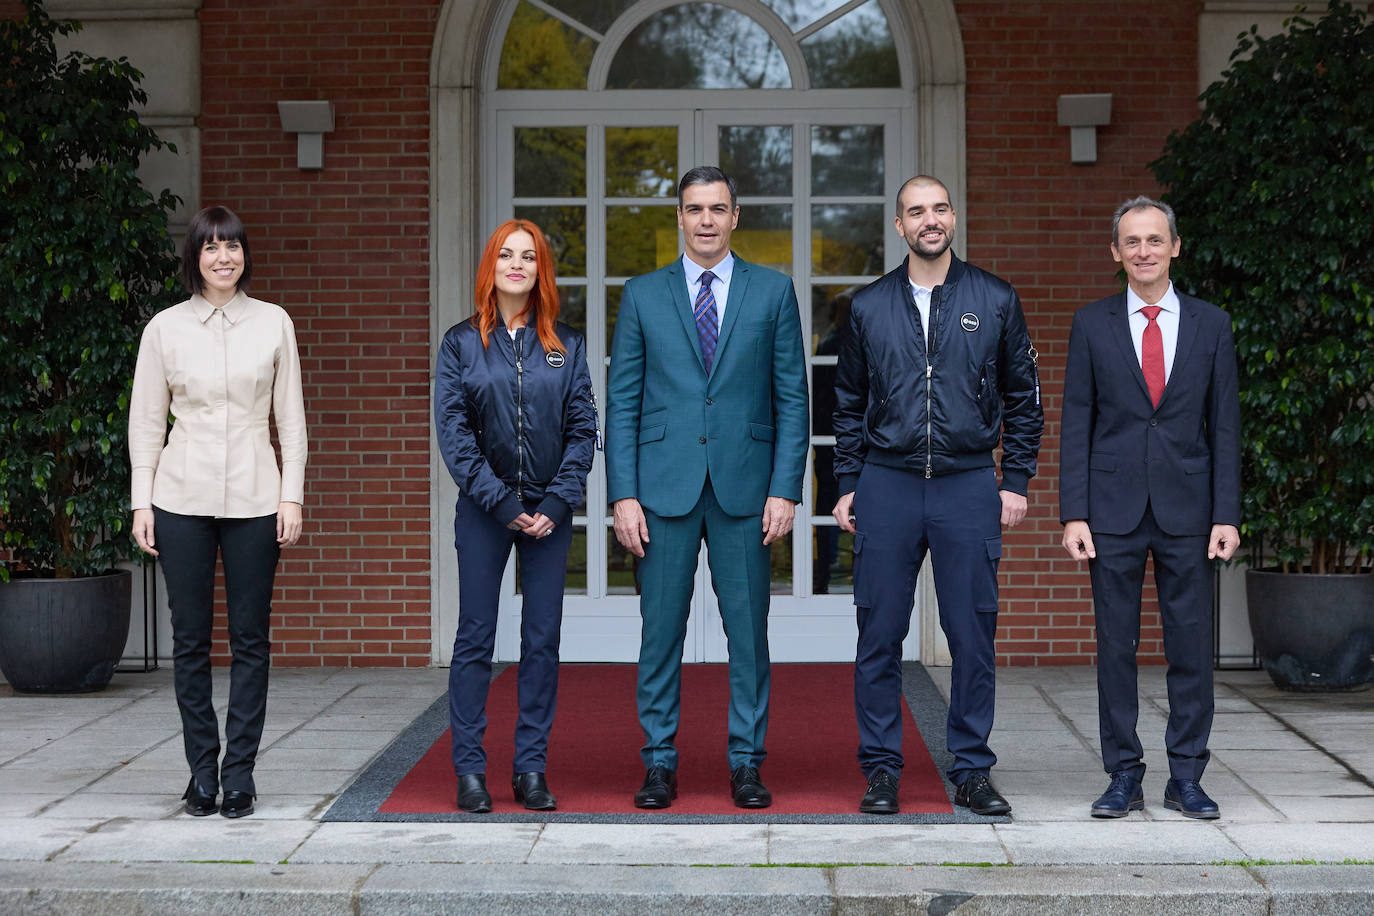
(720, 289)
(922, 297)
(220, 372)
(1167, 321)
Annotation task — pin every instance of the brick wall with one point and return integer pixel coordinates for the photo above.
(1045, 225)
(346, 252)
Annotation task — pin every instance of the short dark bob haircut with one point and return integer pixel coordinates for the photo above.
(211, 224)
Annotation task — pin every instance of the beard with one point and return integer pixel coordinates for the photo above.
(927, 253)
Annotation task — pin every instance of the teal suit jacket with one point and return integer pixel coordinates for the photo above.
(669, 424)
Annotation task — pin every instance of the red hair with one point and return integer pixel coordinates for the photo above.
(543, 301)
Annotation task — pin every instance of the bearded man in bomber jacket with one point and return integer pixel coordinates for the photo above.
(937, 367)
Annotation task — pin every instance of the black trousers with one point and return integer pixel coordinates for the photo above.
(1183, 582)
(187, 546)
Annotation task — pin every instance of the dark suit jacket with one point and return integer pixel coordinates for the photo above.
(1117, 451)
(668, 423)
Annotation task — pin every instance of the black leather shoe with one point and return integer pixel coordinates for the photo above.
(978, 795)
(237, 804)
(1123, 796)
(747, 788)
(199, 800)
(1187, 798)
(881, 797)
(659, 789)
(533, 792)
(473, 796)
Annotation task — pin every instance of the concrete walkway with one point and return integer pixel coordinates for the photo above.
(90, 820)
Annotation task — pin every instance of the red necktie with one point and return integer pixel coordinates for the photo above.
(1152, 354)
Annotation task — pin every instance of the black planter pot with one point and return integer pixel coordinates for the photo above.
(63, 635)
(1313, 632)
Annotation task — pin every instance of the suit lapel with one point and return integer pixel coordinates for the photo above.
(739, 282)
(677, 291)
(1120, 324)
(1186, 342)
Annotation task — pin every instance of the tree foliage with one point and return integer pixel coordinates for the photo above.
(1274, 187)
(85, 258)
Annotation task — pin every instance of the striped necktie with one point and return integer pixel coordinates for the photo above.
(705, 313)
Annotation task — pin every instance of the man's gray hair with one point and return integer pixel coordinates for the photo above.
(1144, 203)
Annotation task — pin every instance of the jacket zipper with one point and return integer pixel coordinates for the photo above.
(930, 369)
(519, 417)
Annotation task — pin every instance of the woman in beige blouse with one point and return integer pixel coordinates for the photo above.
(220, 363)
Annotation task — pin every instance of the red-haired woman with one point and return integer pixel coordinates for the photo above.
(516, 422)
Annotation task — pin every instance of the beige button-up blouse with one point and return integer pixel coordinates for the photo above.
(220, 372)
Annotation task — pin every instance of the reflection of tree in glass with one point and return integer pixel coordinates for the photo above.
(698, 46)
(854, 52)
(641, 161)
(800, 13)
(551, 161)
(542, 53)
(847, 159)
(635, 238)
(850, 240)
(758, 158)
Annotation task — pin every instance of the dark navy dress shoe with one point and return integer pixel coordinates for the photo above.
(473, 796)
(533, 792)
(881, 797)
(200, 801)
(1187, 798)
(1124, 795)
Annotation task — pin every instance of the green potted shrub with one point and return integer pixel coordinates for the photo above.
(85, 259)
(1274, 188)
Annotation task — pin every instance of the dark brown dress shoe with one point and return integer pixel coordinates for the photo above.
(747, 789)
(533, 792)
(881, 797)
(200, 801)
(473, 796)
(659, 789)
(237, 804)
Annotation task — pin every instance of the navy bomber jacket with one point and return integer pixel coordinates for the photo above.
(516, 424)
(940, 407)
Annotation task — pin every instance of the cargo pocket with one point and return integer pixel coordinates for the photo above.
(861, 590)
(985, 580)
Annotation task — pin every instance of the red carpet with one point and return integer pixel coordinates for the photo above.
(594, 765)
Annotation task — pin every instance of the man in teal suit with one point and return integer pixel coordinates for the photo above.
(706, 436)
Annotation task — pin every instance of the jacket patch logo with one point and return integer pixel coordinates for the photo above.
(968, 321)
(554, 358)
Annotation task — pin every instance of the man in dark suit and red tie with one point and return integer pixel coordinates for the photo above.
(1150, 465)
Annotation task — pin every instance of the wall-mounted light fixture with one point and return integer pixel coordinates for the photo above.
(1083, 115)
(309, 121)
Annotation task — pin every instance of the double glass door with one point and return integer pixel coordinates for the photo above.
(813, 192)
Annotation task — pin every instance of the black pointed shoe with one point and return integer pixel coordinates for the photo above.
(978, 795)
(199, 800)
(473, 796)
(881, 797)
(659, 789)
(747, 789)
(1187, 798)
(533, 792)
(1124, 795)
(237, 804)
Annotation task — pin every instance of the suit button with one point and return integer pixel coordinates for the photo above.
(702, 440)
(1154, 422)
(710, 401)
